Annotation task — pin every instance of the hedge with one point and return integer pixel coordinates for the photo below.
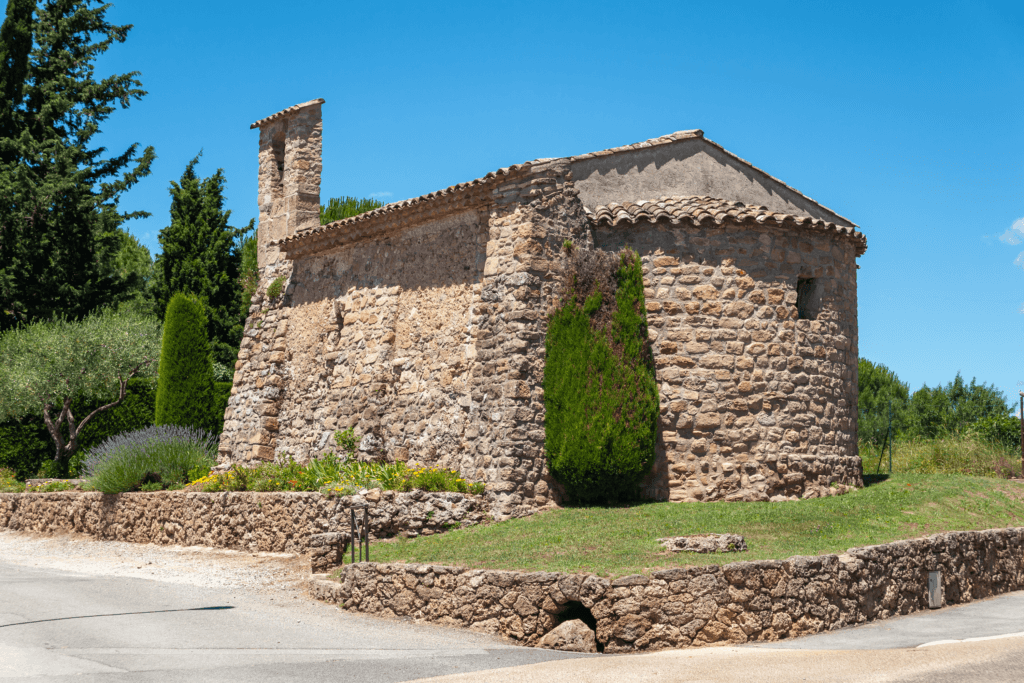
(185, 394)
(600, 394)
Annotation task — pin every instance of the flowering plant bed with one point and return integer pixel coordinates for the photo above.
(334, 476)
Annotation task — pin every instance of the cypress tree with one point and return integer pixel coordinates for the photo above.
(185, 391)
(600, 394)
(201, 253)
(59, 222)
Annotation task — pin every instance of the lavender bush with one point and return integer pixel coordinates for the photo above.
(162, 455)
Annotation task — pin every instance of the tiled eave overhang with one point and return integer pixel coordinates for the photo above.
(394, 218)
(712, 211)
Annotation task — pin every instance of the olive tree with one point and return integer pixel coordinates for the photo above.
(47, 365)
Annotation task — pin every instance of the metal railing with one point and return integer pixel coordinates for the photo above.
(360, 534)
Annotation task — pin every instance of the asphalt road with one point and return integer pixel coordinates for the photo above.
(57, 625)
(997, 616)
(83, 611)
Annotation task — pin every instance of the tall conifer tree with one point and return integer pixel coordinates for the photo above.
(201, 255)
(59, 218)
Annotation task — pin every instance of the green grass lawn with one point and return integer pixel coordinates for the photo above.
(620, 541)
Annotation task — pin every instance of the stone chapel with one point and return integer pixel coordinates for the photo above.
(421, 324)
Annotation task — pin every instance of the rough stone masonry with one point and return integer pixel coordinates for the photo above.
(741, 602)
(421, 324)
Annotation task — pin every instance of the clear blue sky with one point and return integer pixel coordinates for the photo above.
(905, 117)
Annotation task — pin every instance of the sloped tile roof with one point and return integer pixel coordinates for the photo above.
(693, 134)
(653, 142)
(707, 211)
(284, 112)
(366, 225)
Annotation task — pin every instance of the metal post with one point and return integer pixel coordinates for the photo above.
(890, 437)
(353, 533)
(1022, 433)
(366, 530)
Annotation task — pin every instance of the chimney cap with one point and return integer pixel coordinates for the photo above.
(285, 112)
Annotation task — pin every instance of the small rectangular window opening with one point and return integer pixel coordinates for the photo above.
(808, 298)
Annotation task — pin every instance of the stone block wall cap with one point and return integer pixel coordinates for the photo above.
(285, 112)
(632, 580)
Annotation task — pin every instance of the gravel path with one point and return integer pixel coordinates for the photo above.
(196, 566)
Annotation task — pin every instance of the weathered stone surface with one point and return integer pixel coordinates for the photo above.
(327, 551)
(571, 636)
(705, 543)
(422, 328)
(693, 606)
(271, 522)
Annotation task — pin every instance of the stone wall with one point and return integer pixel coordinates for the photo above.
(695, 606)
(290, 165)
(756, 403)
(268, 522)
(421, 324)
(428, 341)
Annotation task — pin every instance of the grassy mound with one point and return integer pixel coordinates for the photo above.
(621, 541)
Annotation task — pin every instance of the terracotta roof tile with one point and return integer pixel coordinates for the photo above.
(653, 142)
(365, 225)
(285, 112)
(689, 135)
(706, 211)
(368, 224)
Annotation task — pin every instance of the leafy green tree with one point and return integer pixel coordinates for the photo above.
(934, 411)
(48, 365)
(879, 389)
(201, 255)
(59, 218)
(185, 391)
(339, 208)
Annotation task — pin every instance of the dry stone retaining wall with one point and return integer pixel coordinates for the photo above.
(696, 606)
(267, 522)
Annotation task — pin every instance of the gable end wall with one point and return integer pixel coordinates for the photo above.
(686, 167)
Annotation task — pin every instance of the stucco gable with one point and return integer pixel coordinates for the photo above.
(686, 164)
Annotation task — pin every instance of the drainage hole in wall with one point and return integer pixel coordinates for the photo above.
(574, 609)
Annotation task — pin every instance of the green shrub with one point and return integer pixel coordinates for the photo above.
(221, 394)
(185, 392)
(600, 394)
(999, 429)
(334, 475)
(27, 448)
(9, 481)
(339, 208)
(964, 453)
(162, 455)
(439, 479)
(274, 288)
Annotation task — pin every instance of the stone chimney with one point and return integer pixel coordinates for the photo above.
(289, 176)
